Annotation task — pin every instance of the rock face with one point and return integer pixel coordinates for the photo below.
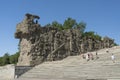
(38, 44)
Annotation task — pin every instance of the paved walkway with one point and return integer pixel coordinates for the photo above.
(75, 68)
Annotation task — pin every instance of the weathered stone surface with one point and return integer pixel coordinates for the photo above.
(39, 44)
(19, 70)
(7, 72)
(76, 68)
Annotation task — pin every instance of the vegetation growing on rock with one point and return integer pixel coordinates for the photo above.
(53, 41)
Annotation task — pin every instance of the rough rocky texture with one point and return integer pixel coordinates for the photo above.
(38, 44)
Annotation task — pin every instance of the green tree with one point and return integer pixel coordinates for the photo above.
(92, 35)
(14, 58)
(57, 25)
(1, 61)
(98, 37)
(48, 25)
(87, 34)
(6, 59)
(115, 44)
(69, 23)
(81, 26)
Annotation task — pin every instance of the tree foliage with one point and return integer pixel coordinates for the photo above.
(69, 23)
(57, 25)
(81, 26)
(14, 58)
(1, 61)
(92, 35)
(9, 59)
(6, 59)
(115, 44)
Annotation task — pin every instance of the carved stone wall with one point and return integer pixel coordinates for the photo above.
(39, 44)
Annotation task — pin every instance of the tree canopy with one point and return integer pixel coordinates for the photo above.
(9, 59)
(92, 35)
(69, 23)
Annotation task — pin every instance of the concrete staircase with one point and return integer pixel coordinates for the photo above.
(76, 68)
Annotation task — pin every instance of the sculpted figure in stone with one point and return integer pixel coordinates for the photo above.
(30, 18)
(39, 44)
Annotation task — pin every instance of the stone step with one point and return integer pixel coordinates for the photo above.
(75, 68)
(54, 79)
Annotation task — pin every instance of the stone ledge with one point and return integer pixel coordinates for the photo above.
(19, 70)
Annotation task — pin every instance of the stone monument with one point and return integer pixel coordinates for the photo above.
(38, 44)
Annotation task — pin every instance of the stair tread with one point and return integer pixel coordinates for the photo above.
(75, 67)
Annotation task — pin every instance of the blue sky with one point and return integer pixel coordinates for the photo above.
(101, 16)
